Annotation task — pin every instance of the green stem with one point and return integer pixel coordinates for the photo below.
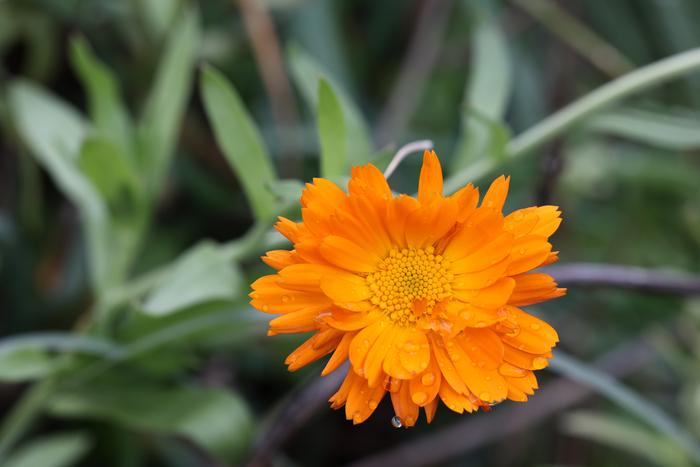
(626, 398)
(578, 111)
(19, 420)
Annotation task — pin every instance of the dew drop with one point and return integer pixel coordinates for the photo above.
(365, 343)
(539, 362)
(428, 379)
(482, 364)
(357, 418)
(265, 308)
(485, 396)
(510, 370)
(285, 298)
(396, 421)
(410, 347)
(419, 397)
(372, 404)
(535, 326)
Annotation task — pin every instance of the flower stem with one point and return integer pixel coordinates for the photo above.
(18, 421)
(578, 111)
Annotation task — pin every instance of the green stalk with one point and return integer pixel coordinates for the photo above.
(20, 419)
(575, 113)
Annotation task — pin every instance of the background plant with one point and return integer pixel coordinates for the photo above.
(148, 146)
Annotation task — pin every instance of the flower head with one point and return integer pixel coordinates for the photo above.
(423, 296)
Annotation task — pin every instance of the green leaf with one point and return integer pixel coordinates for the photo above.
(331, 132)
(306, 73)
(60, 450)
(201, 274)
(626, 398)
(239, 139)
(622, 434)
(158, 129)
(663, 130)
(216, 419)
(489, 85)
(31, 356)
(104, 164)
(105, 105)
(54, 133)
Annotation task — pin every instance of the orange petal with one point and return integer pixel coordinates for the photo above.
(362, 343)
(269, 297)
(368, 181)
(404, 407)
(430, 410)
(447, 368)
(455, 401)
(323, 195)
(344, 287)
(496, 195)
(362, 400)
(534, 288)
(483, 346)
(483, 278)
(467, 199)
(491, 297)
(485, 256)
(345, 320)
(425, 386)
(534, 336)
(375, 357)
(549, 220)
(295, 322)
(304, 277)
(487, 384)
(430, 182)
(428, 224)
(521, 222)
(340, 354)
(398, 210)
(348, 255)
(528, 253)
(467, 315)
(288, 228)
(320, 344)
(413, 349)
(524, 359)
(280, 259)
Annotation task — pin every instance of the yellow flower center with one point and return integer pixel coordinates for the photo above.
(408, 276)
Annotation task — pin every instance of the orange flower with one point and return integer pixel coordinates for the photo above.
(422, 295)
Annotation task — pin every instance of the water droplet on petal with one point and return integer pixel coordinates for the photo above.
(285, 298)
(535, 326)
(357, 418)
(372, 404)
(419, 397)
(265, 308)
(428, 379)
(396, 421)
(485, 396)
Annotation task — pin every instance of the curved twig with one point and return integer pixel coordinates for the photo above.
(293, 413)
(628, 277)
(405, 151)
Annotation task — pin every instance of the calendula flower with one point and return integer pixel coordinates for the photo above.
(423, 296)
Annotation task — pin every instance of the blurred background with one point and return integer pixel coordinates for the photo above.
(146, 146)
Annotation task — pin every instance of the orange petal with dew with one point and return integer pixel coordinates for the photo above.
(404, 407)
(494, 296)
(528, 253)
(425, 386)
(534, 336)
(485, 256)
(496, 195)
(483, 346)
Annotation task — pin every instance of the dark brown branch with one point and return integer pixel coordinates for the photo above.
(296, 411)
(479, 430)
(628, 277)
(266, 47)
(419, 60)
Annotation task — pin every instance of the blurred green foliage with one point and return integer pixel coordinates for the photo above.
(142, 163)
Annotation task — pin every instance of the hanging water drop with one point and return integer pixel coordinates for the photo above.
(396, 421)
